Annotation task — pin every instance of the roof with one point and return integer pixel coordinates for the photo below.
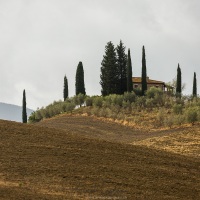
(149, 81)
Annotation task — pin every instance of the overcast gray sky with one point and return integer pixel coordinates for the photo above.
(42, 40)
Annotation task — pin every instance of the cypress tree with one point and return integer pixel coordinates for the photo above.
(194, 86)
(80, 84)
(122, 68)
(65, 91)
(24, 114)
(178, 82)
(144, 72)
(129, 73)
(109, 74)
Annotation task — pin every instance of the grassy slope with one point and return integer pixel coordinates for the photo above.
(51, 163)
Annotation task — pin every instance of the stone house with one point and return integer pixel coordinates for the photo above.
(137, 84)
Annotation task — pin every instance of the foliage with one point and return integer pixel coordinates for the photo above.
(80, 84)
(153, 91)
(179, 82)
(57, 107)
(98, 101)
(129, 97)
(192, 115)
(109, 75)
(129, 73)
(122, 67)
(89, 101)
(178, 108)
(79, 99)
(144, 72)
(65, 90)
(194, 92)
(154, 110)
(24, 113)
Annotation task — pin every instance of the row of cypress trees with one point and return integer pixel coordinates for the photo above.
(116, 75)
(116, 70)
(179, 83)
(79, 82)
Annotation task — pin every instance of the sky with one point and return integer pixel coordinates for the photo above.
(41, 41)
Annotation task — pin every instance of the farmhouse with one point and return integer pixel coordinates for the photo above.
(137, 84)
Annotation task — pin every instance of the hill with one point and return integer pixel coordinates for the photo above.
(184, 140)
(39, 162)
(12, 112)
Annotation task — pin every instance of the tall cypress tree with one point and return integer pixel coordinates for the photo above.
(144, 72)
(80, 84)
(122, 67)
(65, 91)
(24, 114)
(129, 73)
(109, 74)
(178, 82)
(194, 86)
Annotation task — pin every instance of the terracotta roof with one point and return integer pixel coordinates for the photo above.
(149, 81)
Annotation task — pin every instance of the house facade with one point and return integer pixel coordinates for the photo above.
(137, 84)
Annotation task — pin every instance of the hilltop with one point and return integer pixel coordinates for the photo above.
(77, 157)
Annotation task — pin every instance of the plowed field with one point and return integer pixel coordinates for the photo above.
(65, 158)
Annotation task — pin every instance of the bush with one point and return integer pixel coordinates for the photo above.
(153, 91)
(69, 107)
(178, 109)
(129, 97)
(89, 101)
(126, 104)
(192, 116)
(179, 119)
(160, 118)
(140, 102)
(116, 99)
(169, 121)
(98, 101)
(79, 99)
(137, 91)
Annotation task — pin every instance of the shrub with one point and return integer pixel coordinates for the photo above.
(153, 91)
(89, 101)
(137, 91)
(126, 104)
(160, 118)
(70, 106)
(79, 99)
(98, 101)
(179, 119)
(140, 102)
(129, 97)
(169, 121)
(177, 109)
(149, 103)
(192, 115)
(95, 111)
(116, 99)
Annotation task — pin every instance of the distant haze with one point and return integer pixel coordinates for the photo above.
(42, 40)
(12, 112)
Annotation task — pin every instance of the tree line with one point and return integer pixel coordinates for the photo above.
(115, 76)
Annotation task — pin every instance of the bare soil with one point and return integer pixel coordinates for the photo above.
(75, 157)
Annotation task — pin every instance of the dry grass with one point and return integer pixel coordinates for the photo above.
(185, 141)
(62, 162)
